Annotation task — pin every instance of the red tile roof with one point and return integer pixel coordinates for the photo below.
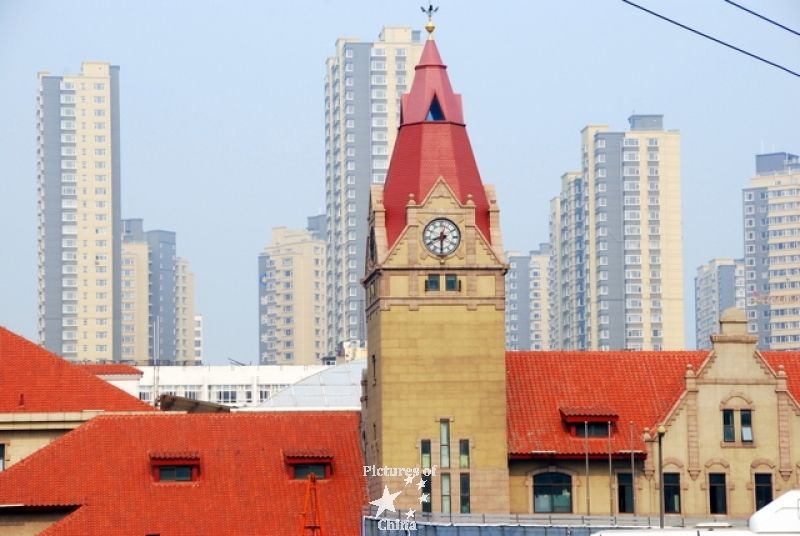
(426, 150)
(33, 380)
(111, 369)
(638, 387)
(791, 365)
(104, 467)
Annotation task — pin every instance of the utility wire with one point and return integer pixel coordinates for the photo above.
(719, 41)
(762, 17)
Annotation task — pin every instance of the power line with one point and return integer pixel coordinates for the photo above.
(762, 17)
(719, 41)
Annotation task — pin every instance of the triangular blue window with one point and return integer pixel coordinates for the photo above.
(435, 112)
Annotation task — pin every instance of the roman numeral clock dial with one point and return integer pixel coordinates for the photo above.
(441, 237)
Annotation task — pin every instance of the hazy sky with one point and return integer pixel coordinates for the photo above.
(222, 117)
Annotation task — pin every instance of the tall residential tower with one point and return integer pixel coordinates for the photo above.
(527, 323)
(718, 285)
(78, 168)
(772, 251)
(363, 85)
(616, 274)
(291, 308)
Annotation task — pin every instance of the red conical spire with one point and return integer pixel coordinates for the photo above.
(432, 142)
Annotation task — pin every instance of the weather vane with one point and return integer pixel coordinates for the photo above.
(430, 11)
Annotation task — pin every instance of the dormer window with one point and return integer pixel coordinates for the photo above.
(589, 422)
(175, 466)
(302, 464)
(175, 473)
(592, 429)
(321, 470)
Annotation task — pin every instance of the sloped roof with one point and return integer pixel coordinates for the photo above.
(791, 365)
(34, 380)
(111, 369)
(638, 387)
(104, 468)
(428, 149)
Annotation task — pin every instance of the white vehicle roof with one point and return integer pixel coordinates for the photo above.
(780, 517)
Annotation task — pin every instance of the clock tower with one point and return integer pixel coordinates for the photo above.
(435, 386)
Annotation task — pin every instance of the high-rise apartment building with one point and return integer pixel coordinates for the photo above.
(718, 285)
(772, 251)
(184, 314)
(198, 339)
(78, 168)
(292, 298)
(616, 271)
(527, 324)
(363, 85)
(157, 298)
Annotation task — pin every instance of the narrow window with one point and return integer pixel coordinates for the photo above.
(728, 432)
(451, 282)
(433, 282)
(763, 490)
(445, 493)
(425, 450)
(463, 454)
(745, 417)
(625, 493)
(2, 457)
(444, 433)
(427, 504)
(672, 493)
(716, 494)
(465, 509)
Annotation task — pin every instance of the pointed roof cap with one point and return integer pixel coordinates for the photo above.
(431, 81)
(432, 142)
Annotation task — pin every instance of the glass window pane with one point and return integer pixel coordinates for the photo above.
(465, 507)
(463, 451)
(747, 428)
(728, 432)
(425, 448)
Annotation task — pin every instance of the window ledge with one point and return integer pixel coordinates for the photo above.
(737, 445)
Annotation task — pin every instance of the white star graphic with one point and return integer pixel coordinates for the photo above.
(410, 514)
(422, 498)
(386, 502)
(420, 484)
(409, 479)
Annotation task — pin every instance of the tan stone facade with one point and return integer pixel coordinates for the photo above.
(426, 346)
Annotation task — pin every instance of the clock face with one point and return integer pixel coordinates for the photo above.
(441, 237)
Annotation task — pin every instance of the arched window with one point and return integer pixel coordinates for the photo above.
(552, 492)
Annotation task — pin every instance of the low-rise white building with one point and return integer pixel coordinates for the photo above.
(231, 385)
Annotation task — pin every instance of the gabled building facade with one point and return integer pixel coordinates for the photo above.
(584, 429)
